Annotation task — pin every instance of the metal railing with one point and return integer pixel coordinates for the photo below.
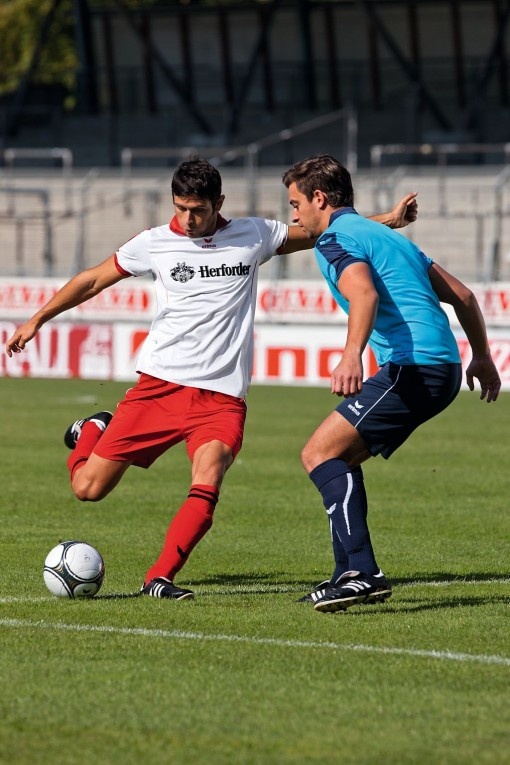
(63, 155)
(464, 215)
(21, 221)
(250, 153)
(491, 263)
(439, 151)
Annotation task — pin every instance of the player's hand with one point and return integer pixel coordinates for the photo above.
(405, 211)
(347, 377)
(485, 371)
(20, 338)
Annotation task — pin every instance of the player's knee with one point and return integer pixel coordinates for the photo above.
(308, 458)
(88, 491)
(313, 455)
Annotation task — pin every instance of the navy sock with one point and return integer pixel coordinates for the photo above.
(339, 555)
(344, 497)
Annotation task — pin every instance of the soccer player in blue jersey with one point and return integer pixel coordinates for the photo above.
(391, 292)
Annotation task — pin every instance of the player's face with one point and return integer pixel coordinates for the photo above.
(307, 214)
(197, 217)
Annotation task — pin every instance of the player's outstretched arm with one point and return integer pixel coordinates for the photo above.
(404, 212)
(451, 290)
(79, 289)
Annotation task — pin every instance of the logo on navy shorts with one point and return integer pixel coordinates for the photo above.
(356, 408)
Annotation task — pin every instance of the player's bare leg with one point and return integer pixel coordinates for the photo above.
(334, 437)
(210, 463)
(94, 479)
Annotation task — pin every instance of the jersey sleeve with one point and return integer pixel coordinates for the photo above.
(427, 262)
(273, 234)
(337, 256)
(133, 257)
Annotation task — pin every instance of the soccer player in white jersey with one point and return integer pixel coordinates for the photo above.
(195, 365)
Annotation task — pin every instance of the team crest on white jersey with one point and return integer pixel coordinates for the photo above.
(182, 273)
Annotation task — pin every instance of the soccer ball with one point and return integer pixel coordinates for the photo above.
(73, 570)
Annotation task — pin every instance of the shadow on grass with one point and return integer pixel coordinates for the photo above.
(246, 579)
(275, 582)
(445, 577)
(280, 578)
(441, 603)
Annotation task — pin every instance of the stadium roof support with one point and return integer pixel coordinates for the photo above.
(458, 52)
(411, 69)
(235, 112)
(87, 78)
(488, 70)
(307, 66)
(154, 53)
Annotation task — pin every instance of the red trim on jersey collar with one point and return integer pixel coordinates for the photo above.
(174, 225)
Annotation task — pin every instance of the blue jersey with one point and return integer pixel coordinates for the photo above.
(410, 325)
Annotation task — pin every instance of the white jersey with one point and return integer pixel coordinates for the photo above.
(206, 289)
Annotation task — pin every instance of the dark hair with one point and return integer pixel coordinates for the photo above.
(195, 177)
(324, 173)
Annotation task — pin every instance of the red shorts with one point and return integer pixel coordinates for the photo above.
(155, 415)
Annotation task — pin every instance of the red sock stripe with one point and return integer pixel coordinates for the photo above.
(208, 495)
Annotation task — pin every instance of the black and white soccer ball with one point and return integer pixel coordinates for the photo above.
(73, 570)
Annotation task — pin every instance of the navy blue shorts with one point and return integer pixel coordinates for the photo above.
(398, 399)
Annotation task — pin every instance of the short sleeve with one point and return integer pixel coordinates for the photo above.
(133, 257)
(336, 254)
(273, 234)
(427, 262)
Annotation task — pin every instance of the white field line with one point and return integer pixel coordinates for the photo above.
(277, 642)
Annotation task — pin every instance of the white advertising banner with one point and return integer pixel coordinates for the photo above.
(128, 300)
(299, 335)
(311, 302)
(300, 302)
(284, 301)
(61, 349)
(286, 355)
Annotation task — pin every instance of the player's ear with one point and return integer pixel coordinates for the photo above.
(320, 198)
(219, 203)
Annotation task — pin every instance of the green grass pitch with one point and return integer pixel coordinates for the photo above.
(244, 674)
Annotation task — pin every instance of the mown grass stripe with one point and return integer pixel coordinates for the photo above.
(278, 642)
